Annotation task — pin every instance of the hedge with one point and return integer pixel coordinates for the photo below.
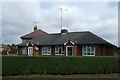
(20, 65)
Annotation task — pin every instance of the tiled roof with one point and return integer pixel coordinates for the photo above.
(76, 37)
(34, 34)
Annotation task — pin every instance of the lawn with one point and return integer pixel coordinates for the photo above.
(65, 76)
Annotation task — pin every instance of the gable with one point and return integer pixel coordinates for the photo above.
(69, 43)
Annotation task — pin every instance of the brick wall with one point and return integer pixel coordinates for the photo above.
(19, 50)
(35, 52)
(104, 50)
(101, 50)
(79, 50)
(53, 50)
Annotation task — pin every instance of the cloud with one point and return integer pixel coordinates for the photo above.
(99, 18)
(17, 20)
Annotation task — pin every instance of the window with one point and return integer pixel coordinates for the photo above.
(24, 50)
(59, 50)
(88, 50)
(46, 50)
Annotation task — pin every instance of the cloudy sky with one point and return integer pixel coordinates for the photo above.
(100, 18)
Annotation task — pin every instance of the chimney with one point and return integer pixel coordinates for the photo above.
(64, 30)
(35, 28)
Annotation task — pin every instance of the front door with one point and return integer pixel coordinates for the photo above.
(69, 50)
(30, 51)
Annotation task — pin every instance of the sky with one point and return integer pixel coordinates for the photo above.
(18, 19)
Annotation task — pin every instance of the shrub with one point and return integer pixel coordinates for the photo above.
(14, 65)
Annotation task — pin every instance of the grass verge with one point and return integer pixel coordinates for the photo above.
(65, 76)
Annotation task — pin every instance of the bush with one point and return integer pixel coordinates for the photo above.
(15, 65)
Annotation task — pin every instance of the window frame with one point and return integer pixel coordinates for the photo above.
(25, 50)
(85, 51)
(58, 49)
(46, 50)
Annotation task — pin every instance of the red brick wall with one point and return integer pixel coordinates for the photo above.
(104, 50)
(24, 40)
(53, 50)
(110, 50)
(79, 50)
(19, 50)
(75, 50)
(40, 50)
(65, 50)
(99, 50)
(35, 52)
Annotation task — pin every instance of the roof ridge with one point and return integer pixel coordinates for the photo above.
(80, 32)
(70, 32)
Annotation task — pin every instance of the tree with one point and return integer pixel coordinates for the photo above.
(13, 48)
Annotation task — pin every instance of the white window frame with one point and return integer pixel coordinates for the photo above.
(24, 50)
(30, 48)
(48, 51)
(67, 50)
(86, 50)
(57, 51)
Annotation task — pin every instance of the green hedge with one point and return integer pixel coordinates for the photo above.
(15, 65)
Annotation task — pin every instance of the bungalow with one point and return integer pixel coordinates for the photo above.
(65, 44)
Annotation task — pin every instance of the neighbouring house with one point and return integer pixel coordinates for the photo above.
(4, 49)
(65, 44)
(8, 49)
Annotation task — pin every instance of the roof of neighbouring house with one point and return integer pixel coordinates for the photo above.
(4, 47)
(34, 34)
(85, 37)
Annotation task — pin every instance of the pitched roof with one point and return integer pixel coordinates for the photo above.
(34, 34)
(76, 37)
